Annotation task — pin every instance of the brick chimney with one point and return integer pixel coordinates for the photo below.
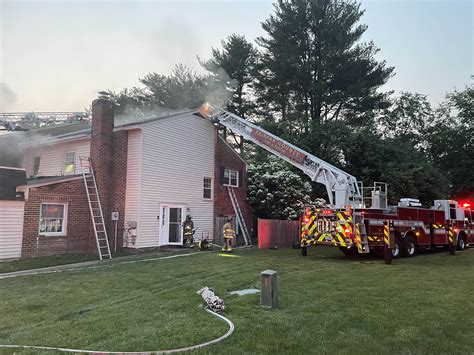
(102, 152)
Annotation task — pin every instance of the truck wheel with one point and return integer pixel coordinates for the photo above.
(461, 242)
(304, 250)
(409, 247)
(348, 252)
(396, 249)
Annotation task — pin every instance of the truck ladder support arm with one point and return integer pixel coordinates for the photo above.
(342, 188)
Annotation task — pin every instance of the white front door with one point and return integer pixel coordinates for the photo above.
(172, 217)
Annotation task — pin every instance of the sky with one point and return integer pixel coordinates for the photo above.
(56, 55)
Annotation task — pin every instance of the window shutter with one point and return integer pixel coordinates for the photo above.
(222, 175)
(241, 178)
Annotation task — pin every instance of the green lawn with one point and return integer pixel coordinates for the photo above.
(328, 304)
(65, 259)
(44, 261)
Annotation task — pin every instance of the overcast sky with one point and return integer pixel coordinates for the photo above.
(56, 55)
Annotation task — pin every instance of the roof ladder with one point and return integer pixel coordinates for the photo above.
(240, 217)
(95, 207)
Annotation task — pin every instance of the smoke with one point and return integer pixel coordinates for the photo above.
(14, 144)
(180, 91)
(220, 87)
(11, 149)
(142, 114)
(7, 96)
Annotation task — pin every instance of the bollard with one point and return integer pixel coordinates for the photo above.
(268, 289)
(387, 237)
(451, 240)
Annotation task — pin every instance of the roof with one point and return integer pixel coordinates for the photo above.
(78, 128)
(49, 180)
(153, 118)
(62, 130)
(10, 178)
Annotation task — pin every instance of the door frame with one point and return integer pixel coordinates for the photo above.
(164, 222)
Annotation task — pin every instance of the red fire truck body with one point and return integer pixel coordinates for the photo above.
(362, 230)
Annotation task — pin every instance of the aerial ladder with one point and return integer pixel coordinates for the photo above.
(343, 189)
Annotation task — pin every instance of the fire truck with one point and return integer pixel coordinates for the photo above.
(358, 219)
(404, 229)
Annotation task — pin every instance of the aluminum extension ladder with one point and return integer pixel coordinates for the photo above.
(240, 217)
(95, 207)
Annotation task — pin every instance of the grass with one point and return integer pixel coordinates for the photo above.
(65, 259)
(328, 304)
(44, 261)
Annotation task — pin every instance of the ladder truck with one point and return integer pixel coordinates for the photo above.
(359, 220)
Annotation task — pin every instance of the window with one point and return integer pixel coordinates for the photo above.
(36, 165)
(69, 161)
(207, 191)
(231, 177)
(452, 211)
(53, 219)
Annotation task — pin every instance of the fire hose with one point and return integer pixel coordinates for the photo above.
(189, 348)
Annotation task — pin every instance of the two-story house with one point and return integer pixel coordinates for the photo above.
(152, 172)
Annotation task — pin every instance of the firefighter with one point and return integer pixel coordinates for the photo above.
(188, 230)
(228, 233)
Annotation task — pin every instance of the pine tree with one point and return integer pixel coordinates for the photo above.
(314, 66)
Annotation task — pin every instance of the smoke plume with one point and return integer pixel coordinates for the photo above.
(14, 144)
(7, 96)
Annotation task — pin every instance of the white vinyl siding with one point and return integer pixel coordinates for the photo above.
(11, 228)
(53, 156)
(178, 152)
(132, 193)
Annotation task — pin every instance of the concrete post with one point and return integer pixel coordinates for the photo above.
(268, 289)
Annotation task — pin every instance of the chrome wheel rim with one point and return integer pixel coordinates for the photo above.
(411, 248)
(461, 244)
(395, 250)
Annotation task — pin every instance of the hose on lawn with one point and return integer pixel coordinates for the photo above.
(189, 348)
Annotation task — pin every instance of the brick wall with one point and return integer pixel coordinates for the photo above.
(118, 180)
(226, 157)
(102, 125)
(109, 159)
(80, 234)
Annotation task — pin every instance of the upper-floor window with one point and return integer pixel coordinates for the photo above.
(53, 218)
(69, 163)
(207, 188)
(36, 165)
(231, 178)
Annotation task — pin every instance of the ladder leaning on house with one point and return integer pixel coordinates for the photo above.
(240, 217)
(95, 207)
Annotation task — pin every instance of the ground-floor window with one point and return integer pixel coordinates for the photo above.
(53, 219)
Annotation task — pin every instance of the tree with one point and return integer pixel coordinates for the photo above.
(450, 140)
(407, 117)
(182, 89)
(234, 66)
(314, 67)
(276, 192)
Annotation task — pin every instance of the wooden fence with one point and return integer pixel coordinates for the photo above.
(278, 233)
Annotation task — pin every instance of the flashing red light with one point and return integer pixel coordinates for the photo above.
(455, 229)
(327, 212)
(306, 219)
(347, 230)
(466, 205)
